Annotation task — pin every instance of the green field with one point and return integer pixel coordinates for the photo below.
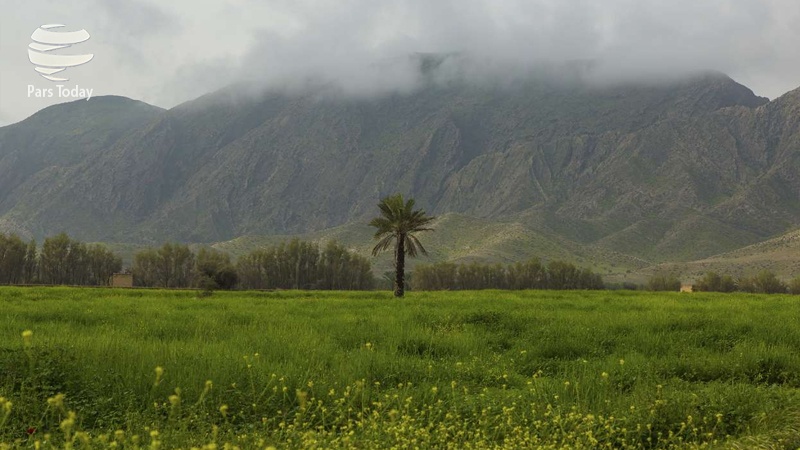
(488, 369)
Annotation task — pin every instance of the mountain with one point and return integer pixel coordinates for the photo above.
(40, 154)
(460, 239)
(676, 171)
(778, 255)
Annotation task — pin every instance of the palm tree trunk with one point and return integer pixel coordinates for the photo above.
(400, 265)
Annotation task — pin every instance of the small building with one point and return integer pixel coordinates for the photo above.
(687, 288)
(122, 280)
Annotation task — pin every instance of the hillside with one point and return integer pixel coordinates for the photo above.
(780, 255)
(671, 172)
(458, 238)
(39, 154)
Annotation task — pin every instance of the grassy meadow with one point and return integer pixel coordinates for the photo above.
(102, 368)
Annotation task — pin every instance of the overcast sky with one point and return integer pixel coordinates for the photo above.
(168, 52)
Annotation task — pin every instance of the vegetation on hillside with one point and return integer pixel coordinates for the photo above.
(657, 172)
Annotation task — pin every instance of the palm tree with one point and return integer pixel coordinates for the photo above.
(396, 225)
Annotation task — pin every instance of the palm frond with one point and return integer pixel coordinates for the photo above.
(398, 218)
(382, 225)
(383, 244)
(409, 205)
(416, 244)
(411, 248)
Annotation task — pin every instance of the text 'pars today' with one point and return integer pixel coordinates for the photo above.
(60, 91)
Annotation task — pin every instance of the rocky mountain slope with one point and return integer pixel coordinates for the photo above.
(676, 171)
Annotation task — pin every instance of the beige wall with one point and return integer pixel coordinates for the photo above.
(122, 280)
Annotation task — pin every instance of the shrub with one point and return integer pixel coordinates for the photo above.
(664, 282)
(630, 286)
(557, 275)
(207, 286)
(794, 286)
(216, 266)
(713, 282)
(765, 282)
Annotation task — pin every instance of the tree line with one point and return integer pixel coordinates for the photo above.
(532, 274)
(764, 282)
(303, 265)
(293, 265)
(60, 260)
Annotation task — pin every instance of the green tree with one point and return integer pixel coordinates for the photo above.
(31, 269)
(145, 268)
(527, 275)
(253, 269)
(590, 280)
(102, 264)
(67, 261)
(54, 260)
(395, 227)
(765, 282)
(713, 282)
(176, 264)
(215, 270)
(562, 275)
(794, 286)
(342, 269)
(77, 264)
(171, 266)
(12, 259)
(664, 282)
(434, 277)
(301, 265)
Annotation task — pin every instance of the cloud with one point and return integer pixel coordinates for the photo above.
(363, 47)
(134, 29)
(169, 52)
(138, 18)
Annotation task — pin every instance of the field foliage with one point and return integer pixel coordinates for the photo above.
(484, 369)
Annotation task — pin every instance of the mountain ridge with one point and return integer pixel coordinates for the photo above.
(658, 172)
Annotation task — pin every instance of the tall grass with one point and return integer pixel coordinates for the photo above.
(486, 369)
